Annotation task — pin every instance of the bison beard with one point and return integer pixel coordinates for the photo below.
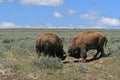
(50, 45)
(84, 41)
(74, 52)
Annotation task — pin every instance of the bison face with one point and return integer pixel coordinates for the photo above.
(71, 51)
(63, 57)
(74, 53)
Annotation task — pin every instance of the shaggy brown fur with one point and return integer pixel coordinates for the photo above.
(50, 44)
(84, 41)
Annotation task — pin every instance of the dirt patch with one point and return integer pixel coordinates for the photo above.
(89, 60)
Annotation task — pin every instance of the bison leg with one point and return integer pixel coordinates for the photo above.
(102, 53)
(38, 52)
(84, 55)
(95, 56)
(39, 55)
(98, 51)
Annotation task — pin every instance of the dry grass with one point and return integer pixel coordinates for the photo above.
(18, 59)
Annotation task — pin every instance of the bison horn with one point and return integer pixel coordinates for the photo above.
(66, 55)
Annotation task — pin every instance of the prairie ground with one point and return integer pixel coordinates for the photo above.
(18, 59)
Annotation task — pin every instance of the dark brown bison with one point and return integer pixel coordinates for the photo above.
(51, 45)
(84, 41)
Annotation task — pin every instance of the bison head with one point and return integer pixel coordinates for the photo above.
(74, 52)
(62, 55)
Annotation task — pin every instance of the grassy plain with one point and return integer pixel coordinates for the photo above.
(18, 59)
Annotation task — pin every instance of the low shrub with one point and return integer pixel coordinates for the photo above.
(49, 62)
(8, 40)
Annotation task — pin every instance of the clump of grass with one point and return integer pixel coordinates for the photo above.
(11, 64)
(114, 49)
(82, 68)
(8, 40)
(49, 62)
(2, 55)
(7, 46)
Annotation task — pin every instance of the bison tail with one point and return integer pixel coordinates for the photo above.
(105, 42)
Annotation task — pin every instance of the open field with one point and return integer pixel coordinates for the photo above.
(18, 59)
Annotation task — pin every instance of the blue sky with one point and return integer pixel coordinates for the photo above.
(60, 14)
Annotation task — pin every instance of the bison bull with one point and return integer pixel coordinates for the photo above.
(51, 45)
(84, 41)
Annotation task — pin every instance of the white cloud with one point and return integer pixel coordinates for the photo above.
(103, 22)
(57, 15)
(10, 0)
(98, 21)
(7, 25)
(42, 2)
(90, 15)
(88, 26)
(106, 21)
(71, 11)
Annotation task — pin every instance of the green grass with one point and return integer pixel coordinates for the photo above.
(18, 59)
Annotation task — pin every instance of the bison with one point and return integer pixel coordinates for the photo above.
(51, 45)
(87, 40)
